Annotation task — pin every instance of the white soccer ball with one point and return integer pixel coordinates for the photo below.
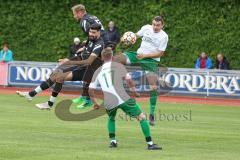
(129, 38)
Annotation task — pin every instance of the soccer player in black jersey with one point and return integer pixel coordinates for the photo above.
(86, 20)
(81, 69)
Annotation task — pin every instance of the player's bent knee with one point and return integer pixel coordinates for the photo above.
(153, 87)
(141, 117)
(68, 77)
(60, 79)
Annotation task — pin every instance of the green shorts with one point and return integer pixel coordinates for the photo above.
(147, 64)
(130, 107)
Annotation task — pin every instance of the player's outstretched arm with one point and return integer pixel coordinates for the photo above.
(88, 61)
(81, 49)
(150, 55)
(131, 85)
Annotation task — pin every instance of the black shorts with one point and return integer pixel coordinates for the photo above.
(66, 68)
(85, 73)
(78, 73)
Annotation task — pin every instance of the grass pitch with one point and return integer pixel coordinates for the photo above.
(185, 131)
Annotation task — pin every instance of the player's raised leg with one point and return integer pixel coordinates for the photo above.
(60, 78)
(43, 86)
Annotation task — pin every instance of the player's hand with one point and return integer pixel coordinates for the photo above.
(141, 56)
(96, 106)
(136, 94)
(80, 50)
(61, 61)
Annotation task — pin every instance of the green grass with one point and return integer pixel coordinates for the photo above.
(27, 133)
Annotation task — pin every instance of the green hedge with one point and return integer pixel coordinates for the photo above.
(42, 30)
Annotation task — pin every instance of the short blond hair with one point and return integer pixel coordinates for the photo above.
(107, 53)
(78, 7)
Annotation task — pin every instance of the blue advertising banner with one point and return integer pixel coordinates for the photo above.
(23, 73)
(219, 83)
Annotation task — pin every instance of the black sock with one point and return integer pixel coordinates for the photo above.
(112, 135)
(32, 93)
(44, 85)
(148, 139)
(51, 102)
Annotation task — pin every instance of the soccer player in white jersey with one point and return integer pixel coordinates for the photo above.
(110, 77)
(153, 46)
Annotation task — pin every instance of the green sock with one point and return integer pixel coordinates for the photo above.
(145, 128)
(153, 101)
(111, 128)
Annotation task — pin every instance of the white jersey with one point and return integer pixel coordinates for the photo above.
(152, 42)
(110, 77)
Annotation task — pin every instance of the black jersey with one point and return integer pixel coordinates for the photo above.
(93, 47)
(88, 20)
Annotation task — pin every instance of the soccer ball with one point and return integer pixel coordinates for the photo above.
(128, 38)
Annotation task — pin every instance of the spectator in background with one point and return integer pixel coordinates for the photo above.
(75, 47)
(6, 55)
(222, 62)
(203, 62)
(113, 34)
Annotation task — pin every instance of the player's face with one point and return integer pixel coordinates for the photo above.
(77, 15)
(157, 26)
(93, 34)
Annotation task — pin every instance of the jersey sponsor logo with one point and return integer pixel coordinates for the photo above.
(147, 37)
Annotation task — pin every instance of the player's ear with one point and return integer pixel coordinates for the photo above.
(162, 25)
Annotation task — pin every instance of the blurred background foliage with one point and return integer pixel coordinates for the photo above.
(42, 30)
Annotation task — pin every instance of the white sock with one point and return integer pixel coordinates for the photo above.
(52, 99)
(150, 143)
(114, 140)
(38, 89)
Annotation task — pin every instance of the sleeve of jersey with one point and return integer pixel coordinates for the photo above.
(141, 31)
(122, 71)
(97, 49)
(85, 26)
(163, 44)
(94, 81)
(94, 84)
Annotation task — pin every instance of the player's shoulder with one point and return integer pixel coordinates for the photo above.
(163, 34)
(99, 42)
(98, 72)
(112, 66)
(91, 17)
(87, 16)
(117, 65)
